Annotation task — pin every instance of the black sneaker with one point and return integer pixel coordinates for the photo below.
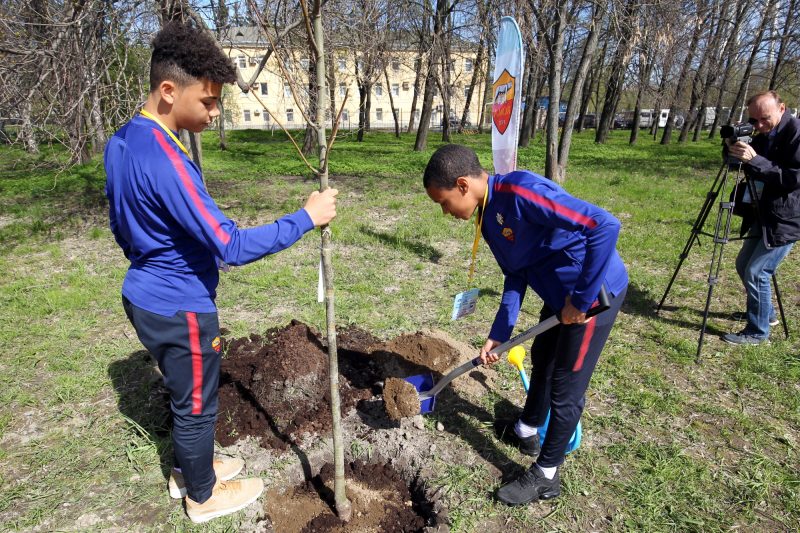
(530, 487)
(504, 430)
(741, 315)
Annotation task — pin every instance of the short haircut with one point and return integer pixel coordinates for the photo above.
(762, 94)
(448, 163)
(185, 54)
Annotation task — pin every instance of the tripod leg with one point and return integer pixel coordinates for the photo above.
(697, 227)
(780, 305)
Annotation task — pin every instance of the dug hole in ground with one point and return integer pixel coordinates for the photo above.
(274, 412)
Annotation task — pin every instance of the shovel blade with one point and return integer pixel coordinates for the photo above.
(423, 383)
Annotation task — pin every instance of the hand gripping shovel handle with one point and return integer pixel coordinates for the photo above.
(602, 304)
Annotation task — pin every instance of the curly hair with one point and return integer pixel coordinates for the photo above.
(449, 163)
(184, 54)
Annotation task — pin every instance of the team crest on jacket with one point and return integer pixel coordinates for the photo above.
(508, 233)
(500, 218)
(216, 344)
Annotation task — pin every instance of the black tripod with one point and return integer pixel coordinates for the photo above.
(720, 238)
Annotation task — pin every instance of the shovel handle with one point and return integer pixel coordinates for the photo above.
(541, 327)
(453, 374)
(603, 303)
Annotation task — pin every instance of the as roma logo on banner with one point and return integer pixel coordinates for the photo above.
(503, 104)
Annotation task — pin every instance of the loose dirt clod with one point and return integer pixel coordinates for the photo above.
(400, 399)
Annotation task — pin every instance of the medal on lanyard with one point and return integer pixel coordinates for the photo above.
(465, 302)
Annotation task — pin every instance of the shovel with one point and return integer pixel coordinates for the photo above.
(424, 382)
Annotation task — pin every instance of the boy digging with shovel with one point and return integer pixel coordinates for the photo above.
(175, 236)
(564, 249)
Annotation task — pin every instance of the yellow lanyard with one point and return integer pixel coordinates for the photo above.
(163, 127)
(478, 224)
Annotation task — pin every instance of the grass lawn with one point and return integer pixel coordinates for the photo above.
(669, 444)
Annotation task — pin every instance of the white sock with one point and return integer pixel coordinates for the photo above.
(525, 431)
(548, 471)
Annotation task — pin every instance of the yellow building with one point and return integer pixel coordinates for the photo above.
(246, 46)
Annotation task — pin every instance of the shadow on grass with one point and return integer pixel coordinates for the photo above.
(142, 398)
(422, 250)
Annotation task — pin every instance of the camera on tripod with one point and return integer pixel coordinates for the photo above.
(733, 133)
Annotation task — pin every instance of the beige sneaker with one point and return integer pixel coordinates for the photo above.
(226, 498)
(225, 468)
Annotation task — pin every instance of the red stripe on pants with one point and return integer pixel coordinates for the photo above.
(587, 338)
(197, 363)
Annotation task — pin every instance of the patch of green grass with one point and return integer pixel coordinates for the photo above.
(669, 444)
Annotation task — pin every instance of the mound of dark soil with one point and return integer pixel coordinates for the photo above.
(381, 500)
(276, 387)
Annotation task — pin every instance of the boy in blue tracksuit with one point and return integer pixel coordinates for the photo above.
(565, 250)
(175, 237)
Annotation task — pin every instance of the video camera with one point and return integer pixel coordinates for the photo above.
(737, 132)
(733, 133)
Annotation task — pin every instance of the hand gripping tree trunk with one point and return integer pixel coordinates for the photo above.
(343, 506)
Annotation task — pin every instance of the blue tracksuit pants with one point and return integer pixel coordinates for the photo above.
(186, 347)
(563, 359)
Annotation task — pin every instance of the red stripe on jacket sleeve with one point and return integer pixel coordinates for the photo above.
(547, 203)
(188, 184)
(197, 363)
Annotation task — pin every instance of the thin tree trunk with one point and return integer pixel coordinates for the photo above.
(221, 126)
(762, 27)
(391, 103)
(421, 141)
(685, 77)
(577, 89)
(741, 8)
(476, 68)
(646, 63)
(530, 103)
(785, 33)
(343, 506)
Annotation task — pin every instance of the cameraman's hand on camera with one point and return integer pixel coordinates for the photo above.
(321, 206)
(742, 151)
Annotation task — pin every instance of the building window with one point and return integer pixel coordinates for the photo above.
(247, 115)
(290, 115)
(266, 117)
(405, 85)
(242, 62)
(304, 63)
(395, 65)
(396, 89)
(345, 116)
(379, 114)
(466, 91)
(342, 90)
(378, 90)
(264, 89)
(287, 91)
(342, 64)
(468, 65)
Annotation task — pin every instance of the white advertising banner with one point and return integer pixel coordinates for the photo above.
(507, 96)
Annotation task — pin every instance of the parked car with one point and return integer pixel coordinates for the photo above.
(622, 121)
(589, 120)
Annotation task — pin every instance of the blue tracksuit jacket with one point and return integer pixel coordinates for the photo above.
(169, 227)
(545, 238)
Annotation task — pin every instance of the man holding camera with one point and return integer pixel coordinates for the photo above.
(772, 166)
